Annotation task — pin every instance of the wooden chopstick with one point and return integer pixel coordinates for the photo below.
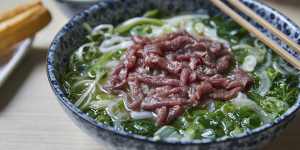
(22, 22)
(243, 8)
(241, 21)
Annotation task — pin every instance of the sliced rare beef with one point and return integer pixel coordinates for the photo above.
(171, 73)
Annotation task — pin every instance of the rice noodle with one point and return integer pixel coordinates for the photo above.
(115, 113)
(278, 68)
(241, 46)
(242, 100)
(125, 98)
(115, 43)
(134, 114)
(167, 133)
(249, 63)
(118, 125)
(102, 29)
(157, 30)
(100, 104)
(79, 52)
(81, 82)
(86, 96)
(111, 64)
(129, 24)
(190, 29)
(164, 30)
(179, 21)
(141, 115)
(268, 62)
(211, 106)
(212, 34)
(265, 83)
(258, 45)
(259, 53)
(287, 68)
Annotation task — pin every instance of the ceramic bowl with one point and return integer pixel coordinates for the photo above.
(115, 11)
(72, 7)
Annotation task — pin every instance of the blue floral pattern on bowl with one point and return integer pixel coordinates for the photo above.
(115, 11)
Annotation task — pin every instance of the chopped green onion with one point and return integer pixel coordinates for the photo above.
(87, 27)
(167, 132)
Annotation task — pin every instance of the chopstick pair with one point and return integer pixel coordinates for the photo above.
(263, 38)
(21, 22)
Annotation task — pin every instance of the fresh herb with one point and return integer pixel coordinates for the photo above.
(141, 127)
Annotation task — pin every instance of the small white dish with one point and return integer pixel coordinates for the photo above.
(10, 64)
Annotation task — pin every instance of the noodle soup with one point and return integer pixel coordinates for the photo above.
(185, 77)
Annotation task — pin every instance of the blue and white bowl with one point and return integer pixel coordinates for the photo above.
(71, 7)
(115, 11)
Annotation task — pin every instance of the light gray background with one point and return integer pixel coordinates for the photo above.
(31, 119)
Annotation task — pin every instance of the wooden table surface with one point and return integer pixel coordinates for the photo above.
(31, 118)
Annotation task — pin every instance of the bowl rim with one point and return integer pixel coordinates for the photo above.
(62, 98)
(77, 1)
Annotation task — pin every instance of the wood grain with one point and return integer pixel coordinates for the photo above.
(30, 116)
